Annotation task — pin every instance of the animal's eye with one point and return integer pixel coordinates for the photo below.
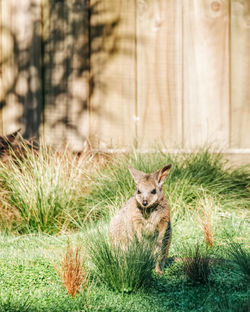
(154, 191)
(138, 192)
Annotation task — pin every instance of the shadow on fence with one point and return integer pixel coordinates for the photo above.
(46, 62)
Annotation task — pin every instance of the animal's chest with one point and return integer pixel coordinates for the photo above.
(149, 224)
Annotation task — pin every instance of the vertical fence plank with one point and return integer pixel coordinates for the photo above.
(159, 65)
(240, 74)
(55, 79)
(3, 56)
(206, 72)
(66, 68)
(21, 96)
(10, 107)
(113, 90)
(158, 72)
(79, 75)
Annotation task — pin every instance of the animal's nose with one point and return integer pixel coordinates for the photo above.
(145, 203)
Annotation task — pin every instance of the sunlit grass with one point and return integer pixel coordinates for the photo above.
(123, 270)
(42, 191)
(29, 281)
(193, 178)
(73, 271)
(48, 191)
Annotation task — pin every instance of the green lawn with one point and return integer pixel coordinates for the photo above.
(30, 282)
(202, 189)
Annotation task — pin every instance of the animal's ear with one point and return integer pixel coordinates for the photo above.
(161, 174)
(136, 174)
(10, 138)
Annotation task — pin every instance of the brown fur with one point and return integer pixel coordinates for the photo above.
(146, 212)
(11, 145)
(7, 142)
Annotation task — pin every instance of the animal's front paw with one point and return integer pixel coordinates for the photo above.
(158, 271)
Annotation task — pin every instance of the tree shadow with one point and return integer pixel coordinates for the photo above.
(46, 65)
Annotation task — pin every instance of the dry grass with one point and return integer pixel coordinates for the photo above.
(47, 191)
(205, 208)
(74, 275)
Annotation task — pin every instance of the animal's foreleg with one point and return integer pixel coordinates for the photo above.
(163, 244)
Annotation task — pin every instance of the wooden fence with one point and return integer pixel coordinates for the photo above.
(174, 73)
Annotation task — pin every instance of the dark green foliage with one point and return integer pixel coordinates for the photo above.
(241, 257)
(225, 303)
(10, 304)
(196, 265)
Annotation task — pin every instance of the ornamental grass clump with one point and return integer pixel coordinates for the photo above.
(42, 191)
(73, 274)
(196, 265)
(122, 270)
(193, 178)
(241, 257)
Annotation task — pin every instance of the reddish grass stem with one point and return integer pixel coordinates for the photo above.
(73, 275)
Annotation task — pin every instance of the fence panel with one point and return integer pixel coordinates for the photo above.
(66, 72)
(21, 85)
(240, 74)
(159, 73)
(113, 69)
(206, 72)
(127, 73)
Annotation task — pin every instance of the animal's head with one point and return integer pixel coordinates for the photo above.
(149, 186)
(7, 141)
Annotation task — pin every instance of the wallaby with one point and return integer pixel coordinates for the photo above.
(11, 145)
(146, 212)
(6, 143)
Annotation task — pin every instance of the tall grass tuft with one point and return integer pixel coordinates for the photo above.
(11, 303)
(72, 272)
(228, 304)
(241, 257)
(196, 265)
(52, 192)
(193, 177)
(42, 191)
(122, 270)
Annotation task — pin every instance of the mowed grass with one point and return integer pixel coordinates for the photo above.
(51, 199)
(29, 280)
